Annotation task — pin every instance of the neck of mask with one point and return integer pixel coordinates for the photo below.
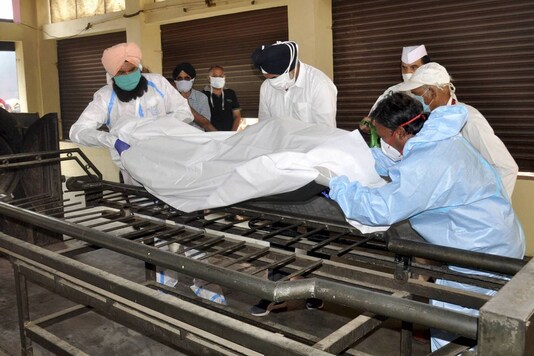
(129, 81)
(217, 82)
(184, 86)
(390, 151)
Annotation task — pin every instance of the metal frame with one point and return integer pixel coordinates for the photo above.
(362, 272)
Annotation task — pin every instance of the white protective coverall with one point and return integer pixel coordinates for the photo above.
(193, 170)
(160, 100)
(450, 194)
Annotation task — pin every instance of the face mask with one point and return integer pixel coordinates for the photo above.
(406, 76)
(426, 108)
(282, 82)
(128, 82)
(184, 86)
(217, 82)
(390, 151)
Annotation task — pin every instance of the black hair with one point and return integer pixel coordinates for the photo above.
(125, 96)
(396, 109)
(426, 59)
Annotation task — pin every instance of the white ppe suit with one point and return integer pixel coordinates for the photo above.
(450, 194)
(161, 99)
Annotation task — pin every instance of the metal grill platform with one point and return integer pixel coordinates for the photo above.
(372, 277)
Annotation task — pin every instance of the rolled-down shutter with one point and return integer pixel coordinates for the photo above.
(81, 73)
(228, 41)
(486, 45)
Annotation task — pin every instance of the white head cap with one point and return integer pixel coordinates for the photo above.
(428, 74)
(412, 53)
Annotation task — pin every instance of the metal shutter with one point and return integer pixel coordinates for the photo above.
(81, 73)
(487, 46)
(227, 41)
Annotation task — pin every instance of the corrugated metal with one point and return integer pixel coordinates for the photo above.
(227, 41)
(487, 46)
(81, 73)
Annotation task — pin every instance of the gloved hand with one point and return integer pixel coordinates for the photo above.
(324, 176)
(121, 146)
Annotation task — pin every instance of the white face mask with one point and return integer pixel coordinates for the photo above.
(217, 82)
(282, 82)
(184, 86)
(406, 76)
(390, 151)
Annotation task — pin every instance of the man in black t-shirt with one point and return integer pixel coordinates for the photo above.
(225, 110)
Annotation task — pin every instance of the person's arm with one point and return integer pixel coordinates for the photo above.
(236, 111)
(263, 111)
(323, 107)
(85, 130)
(382, 162)
(200, 109)
(202, 121)
(479, 133)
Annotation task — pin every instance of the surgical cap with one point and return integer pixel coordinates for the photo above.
(187, 68)
(428, 74)
(274, 59)
(412, 53)
(114, 57)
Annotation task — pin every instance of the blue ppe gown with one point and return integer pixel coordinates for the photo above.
(450, 194)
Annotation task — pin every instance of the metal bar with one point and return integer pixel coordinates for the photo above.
(274, 264)
(210, 242)
(349, 333)
(303, 236)
(221, 251)
(51, 342)
(328, 241)
(246, 257)
(354, 297)
(248, 335)
(61, 315)
(304, 270)
(356, 244)
(21, 289)
(457, 257)
(274, 233)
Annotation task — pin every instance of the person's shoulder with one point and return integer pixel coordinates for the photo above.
(104, 91)
(200, 95)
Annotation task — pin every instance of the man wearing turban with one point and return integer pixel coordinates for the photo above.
(292, 88)
(184, 75)
(129, 95)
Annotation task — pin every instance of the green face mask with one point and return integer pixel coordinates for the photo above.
(129, 81)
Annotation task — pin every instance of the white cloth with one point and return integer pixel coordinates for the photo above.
(479, 133)
(312, 99)
(193, 170)
(159, 100)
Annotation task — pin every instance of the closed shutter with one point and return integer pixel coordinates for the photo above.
(228, 41)
(81, 73)
(487, 46)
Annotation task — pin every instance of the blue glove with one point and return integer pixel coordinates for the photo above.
(121, 146)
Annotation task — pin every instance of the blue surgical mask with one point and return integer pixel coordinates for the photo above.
(129, 81)
(426, 108)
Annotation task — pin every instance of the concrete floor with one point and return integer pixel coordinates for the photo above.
(96, 335)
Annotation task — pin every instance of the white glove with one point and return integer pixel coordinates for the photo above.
(324, 176)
